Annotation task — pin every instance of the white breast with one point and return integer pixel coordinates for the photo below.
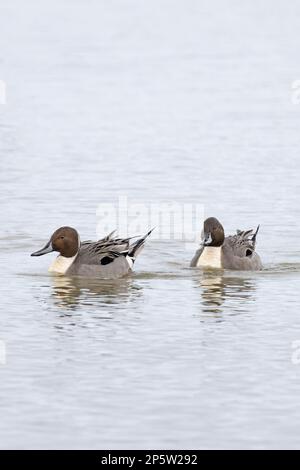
(211, 257)
(61, 264)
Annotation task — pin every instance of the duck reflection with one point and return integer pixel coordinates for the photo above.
(220, 292)
(73, 292)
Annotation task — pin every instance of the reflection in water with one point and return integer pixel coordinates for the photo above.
(71, 292)
(220, 291)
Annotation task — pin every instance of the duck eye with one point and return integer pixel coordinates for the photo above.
(62, 237)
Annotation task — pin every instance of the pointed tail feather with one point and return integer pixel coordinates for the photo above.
(255, 235)
(136, 248)
(110, 235)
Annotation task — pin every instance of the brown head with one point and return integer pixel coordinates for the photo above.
(213, 233)
(65, 240)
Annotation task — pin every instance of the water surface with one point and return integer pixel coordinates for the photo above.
(159, 101)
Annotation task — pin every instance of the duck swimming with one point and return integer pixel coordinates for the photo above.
(233, 252)
(108, 258)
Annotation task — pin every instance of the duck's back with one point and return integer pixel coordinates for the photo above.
(105, 258)
(238, 252)
(108, 267)
(108, 258)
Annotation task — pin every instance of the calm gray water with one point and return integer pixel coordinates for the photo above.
(159, 100)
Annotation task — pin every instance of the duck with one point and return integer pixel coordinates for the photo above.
(108, 258)
(236, 252)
